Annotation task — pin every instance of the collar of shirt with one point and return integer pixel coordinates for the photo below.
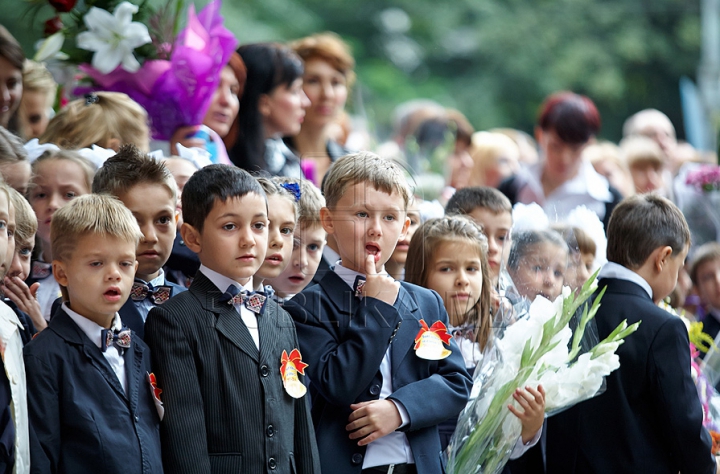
(614, 270)
(331, 256)
(158, 280)
(91, 329)
(222, 282)
(348, 276)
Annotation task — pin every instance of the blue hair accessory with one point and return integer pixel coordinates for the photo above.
(292, 188)
(91, 99)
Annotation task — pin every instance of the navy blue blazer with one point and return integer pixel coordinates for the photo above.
(344, 339)
(81, 420)
(649, 419)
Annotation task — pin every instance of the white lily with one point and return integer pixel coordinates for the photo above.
(113, 37)
(49, 48)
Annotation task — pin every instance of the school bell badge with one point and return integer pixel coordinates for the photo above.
(291, 366)
(430, 341)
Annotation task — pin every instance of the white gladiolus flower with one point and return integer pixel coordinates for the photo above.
(49, 48)
(113, 38)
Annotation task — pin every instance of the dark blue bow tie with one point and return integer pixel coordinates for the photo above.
(120, 338)
(255, 302)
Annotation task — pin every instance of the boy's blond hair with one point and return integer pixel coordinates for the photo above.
(310, 202)
(96, 120)
(37, 78)
(91, 214)
(25, 219)
(364, 167)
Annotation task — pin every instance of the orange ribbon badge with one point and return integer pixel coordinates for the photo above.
(291, 366)
(429, 341)
(155, 391)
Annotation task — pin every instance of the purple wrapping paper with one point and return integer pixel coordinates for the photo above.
(178, 92)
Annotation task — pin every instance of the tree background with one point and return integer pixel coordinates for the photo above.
(494, 60)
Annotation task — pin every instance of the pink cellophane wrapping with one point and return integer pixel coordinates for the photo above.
(178, 92)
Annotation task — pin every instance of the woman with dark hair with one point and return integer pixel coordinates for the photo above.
(327, 79)
(272, 106)
(11, 69)
(562, 180)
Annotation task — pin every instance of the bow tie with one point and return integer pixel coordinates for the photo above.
(358, 286)
(255, 302)
(157, 294)
(40, 270)
(121, 339)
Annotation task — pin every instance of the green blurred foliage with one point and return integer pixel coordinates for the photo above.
(495, 60)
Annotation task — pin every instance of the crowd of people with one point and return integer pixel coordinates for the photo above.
(251, 293)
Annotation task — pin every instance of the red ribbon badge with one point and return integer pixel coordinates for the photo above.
(438, 328)
(155, 389)
(295, 359)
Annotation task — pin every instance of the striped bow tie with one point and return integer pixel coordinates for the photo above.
(157, 294)
(255, 302)
(120, 338)
(40, 270)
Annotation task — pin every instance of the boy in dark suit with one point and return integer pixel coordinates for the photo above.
(376, 401)
(91, 402)
(226, 357)
(148, 189)
(649, 419)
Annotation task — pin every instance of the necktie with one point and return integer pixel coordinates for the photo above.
(255, 302)
(40, 270)
(358, 286)
(157, 294)
(120, 338)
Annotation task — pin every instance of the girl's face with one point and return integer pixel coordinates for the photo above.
(283, 110)
(455, 273)
(56, 182)
(11, 89)
(281, 214)
(225, 103)
(460, 165)
(541, 271)
(326, 87)
(34, 113)
(401, 249)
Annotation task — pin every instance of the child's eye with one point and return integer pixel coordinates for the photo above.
(95, 264)
(229, 227)
(362, 214)
(538, 268)
(3, 225)
(11, 234)
(164, 220)
(127, 264)
(25, 251)
(70, 194)
(390, 217)
(313, 247)
(473, 269)
(445, 269)
(287, 231)
(259, 226)
(39, 196)
(413, 222)
(502, 238)
(558, 274)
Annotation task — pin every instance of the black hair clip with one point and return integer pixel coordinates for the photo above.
(91, 99)
(292, 188)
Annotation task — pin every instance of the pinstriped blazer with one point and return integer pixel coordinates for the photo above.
(226, 410)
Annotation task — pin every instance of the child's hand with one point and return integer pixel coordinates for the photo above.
(533, 403)
(26, 300)
(382, 287)
(373, 420)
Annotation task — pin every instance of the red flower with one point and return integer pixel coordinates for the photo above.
(63, 6)
(52, 26)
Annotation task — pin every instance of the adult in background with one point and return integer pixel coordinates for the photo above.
(272, 107)
(327, 79)
(11, 79)
(562, 180)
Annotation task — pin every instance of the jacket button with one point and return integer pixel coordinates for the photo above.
(264, 371)
(272, 464)
(137, 418)
(357, 458)
(375, 390)
(270, 431)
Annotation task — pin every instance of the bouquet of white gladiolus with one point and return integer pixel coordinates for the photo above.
(540, 348)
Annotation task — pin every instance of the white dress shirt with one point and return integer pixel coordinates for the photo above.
(248, 317)
(94, 331)
(330, 256)
(146, 304)
(48, 292)
(614, 270)
(394, 447)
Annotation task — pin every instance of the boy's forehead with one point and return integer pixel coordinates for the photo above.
(358, 191)
(247, 204)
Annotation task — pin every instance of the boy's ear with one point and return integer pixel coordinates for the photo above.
(405, 228)
(661, 257)
(58, 269)
(191, 237)
(326, 220)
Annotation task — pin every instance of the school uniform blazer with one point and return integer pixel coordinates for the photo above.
(131, 317)
(649, 419)
(82, 420)
(344, 339)
(226, 410)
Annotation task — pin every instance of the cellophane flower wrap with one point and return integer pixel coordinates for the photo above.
(177, 92)
(548, 345)
(697, 194)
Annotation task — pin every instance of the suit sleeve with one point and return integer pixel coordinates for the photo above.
(679, 405)
(182, 430)
(441, 396)
(43, 415)
(342, 369)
